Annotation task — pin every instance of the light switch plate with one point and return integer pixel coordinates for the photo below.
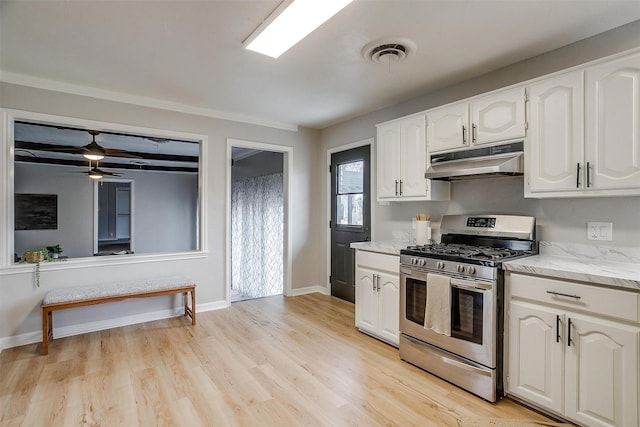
(600, 231)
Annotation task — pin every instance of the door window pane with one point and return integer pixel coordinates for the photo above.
(349, 195)
(349, 209)
(350, 177)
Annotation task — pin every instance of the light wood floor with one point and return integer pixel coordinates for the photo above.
(275, 361)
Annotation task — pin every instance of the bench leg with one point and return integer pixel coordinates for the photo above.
(47, 330)
(190, 311)
(193, 306)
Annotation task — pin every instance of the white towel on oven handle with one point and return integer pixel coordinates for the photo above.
(437, 316)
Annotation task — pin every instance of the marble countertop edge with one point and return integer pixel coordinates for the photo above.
(382, 247)
(608, 273)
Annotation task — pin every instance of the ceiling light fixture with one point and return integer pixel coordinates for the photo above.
(93, 151)
(95, 173)
(289, 23)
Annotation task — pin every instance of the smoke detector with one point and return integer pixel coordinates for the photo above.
(388, 50)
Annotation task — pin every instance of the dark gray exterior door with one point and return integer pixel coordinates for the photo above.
(350, 215)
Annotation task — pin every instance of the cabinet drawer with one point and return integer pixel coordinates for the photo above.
(608, 302)
(378, 261)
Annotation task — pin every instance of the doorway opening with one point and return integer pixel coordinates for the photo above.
(257, 223)
(113, 216)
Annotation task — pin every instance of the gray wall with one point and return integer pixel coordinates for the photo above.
(19, 299)
(558, 219)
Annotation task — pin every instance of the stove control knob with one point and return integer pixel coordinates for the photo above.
(423, 262)
(460, 268)
(414, 261)
(471, 270)
(440, 265)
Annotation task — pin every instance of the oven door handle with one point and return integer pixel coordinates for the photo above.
(471, 286)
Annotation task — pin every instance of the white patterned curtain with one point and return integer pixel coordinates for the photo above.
(257, 236)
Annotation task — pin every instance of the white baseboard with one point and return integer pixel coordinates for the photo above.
(211, 306)
(309, 290)
(67, 331)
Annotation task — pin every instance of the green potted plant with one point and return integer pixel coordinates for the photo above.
(54, 251)
(38, 255)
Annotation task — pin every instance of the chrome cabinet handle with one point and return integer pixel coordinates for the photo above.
(557, 328)
(373, 282)
(560, 294)
(378, 282)
(569, 333)
(464, 134)
(473, 133)
(577, 175)
(396, 187)
(588, 174)
(401, 187)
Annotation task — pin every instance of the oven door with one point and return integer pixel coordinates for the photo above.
(472, 315)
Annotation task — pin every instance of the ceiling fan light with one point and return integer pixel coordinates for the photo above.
(93, 156)
(95, 174)
(292, 21)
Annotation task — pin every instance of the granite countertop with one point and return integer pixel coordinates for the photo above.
(601, 265)
(383, 247)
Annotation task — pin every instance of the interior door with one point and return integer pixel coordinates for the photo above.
(350, 215)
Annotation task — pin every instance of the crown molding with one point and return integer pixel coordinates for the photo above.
(73, 89)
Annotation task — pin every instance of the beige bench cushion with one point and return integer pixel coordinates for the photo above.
(119, 288)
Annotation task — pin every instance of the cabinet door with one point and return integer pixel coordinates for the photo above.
(413, 157)
(448, 128)
(389, 304)
(602, 372)
(612, 131)
(388, 160)
(555, 134)
(498, 117)
(366, 300)
(536, 354)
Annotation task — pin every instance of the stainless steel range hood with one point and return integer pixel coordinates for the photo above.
(499, 160)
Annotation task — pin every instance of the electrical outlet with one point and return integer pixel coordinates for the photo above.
(599, 231)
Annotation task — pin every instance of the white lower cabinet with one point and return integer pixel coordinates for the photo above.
(569, 354)
(536, 360)
(378, 295)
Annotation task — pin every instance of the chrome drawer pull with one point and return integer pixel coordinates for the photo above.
(564, 295)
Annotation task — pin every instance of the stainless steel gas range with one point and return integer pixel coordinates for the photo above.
(452, 299)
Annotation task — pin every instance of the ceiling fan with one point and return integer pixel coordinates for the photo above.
(96, 173)
(94, 151)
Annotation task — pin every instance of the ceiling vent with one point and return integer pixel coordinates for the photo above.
(389, 50)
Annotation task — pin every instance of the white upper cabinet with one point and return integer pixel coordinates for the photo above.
(556, 147)
(498, 117)
(388, 159)
(413, 157)
(612, 131)
(448, 127)
(402, 161)
(483, 120)
(604, 100)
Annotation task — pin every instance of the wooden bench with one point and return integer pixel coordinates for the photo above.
(61, 299)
